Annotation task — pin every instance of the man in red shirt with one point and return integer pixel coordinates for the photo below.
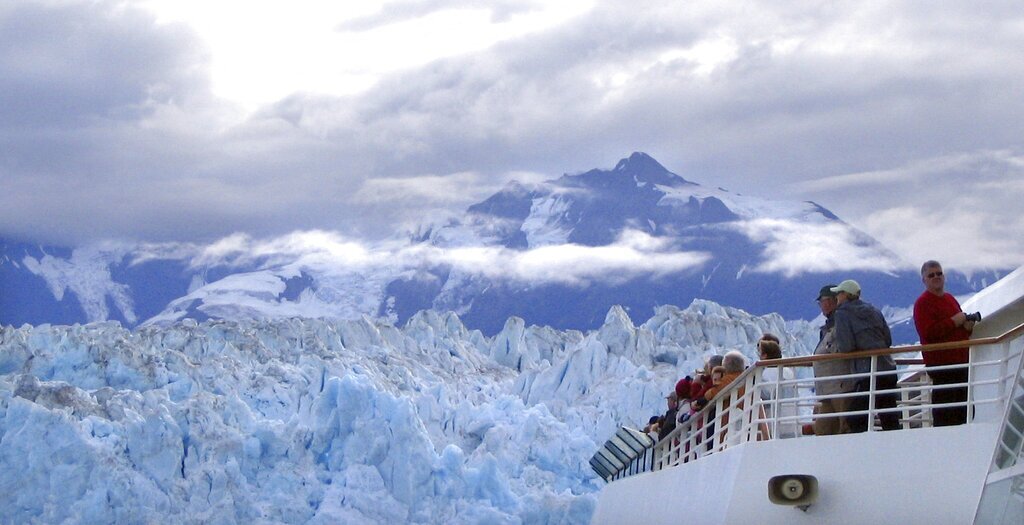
(938, 319)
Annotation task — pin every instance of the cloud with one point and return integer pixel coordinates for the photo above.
(963, 209)
(924, 171)
(314, 248)
(796, 95)
(69, 64)
(109, 126)
(406, 10)
(633, 255)
(963, 239)
(793, 248)
(461, 188)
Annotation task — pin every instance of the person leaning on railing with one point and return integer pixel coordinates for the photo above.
(733, 363)
(784, 396)
(861, 326)
(825, 425)
(703, 381)
(653, 425)
(668, 421)
(938, 319)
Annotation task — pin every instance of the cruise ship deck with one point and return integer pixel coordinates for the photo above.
(735, 463)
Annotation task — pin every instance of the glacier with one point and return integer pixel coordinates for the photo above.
(325, 421)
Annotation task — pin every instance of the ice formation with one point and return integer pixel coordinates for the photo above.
(314, 421)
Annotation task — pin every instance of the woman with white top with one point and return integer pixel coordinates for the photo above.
(768, 348)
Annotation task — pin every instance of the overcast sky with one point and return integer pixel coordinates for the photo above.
(184, 120)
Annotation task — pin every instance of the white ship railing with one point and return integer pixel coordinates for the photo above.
(751, 409)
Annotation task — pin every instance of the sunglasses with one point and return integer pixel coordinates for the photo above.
(933, 274)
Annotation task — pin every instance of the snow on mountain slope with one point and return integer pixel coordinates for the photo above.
(281, 293)
(558, 253)
(87, 275)
(313, 421)
(754, 253)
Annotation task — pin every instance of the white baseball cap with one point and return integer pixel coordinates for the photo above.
(849, 286)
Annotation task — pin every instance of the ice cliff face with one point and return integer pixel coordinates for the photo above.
(309, 421)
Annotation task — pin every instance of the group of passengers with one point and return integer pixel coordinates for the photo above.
(692, 394)
(851, 325)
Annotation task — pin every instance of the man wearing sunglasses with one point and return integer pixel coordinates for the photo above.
(938, 319)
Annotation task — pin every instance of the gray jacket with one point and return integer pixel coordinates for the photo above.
(860, 326)
(827, 346)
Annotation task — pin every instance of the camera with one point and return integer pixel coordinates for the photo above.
(976, 317)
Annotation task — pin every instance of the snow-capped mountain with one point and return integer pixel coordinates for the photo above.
(560, 253)
(315, 421)
(737, 250)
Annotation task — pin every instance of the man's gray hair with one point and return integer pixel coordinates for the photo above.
(713, 361)
(734, 362)
(929, 264)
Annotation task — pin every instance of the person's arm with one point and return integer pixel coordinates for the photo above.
(844, 331)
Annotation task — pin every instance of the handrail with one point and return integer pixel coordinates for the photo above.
(933, 347)
(675, 447)
(842, 356)
(727, 389)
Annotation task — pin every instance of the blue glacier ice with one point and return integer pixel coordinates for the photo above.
(318, 421)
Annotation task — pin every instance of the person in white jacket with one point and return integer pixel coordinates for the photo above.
(768, 348)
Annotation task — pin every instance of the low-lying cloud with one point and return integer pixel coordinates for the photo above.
(634, 254)
(964, 209)
(793, 248)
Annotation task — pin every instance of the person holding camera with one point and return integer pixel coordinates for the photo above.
(939, 319)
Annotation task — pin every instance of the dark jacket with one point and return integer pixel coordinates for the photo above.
(860, 326)
(668, 423)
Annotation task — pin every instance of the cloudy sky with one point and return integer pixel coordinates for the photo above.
(188, 120)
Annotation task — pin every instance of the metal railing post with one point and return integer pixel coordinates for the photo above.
(1004, 371)
(746, 414)
(779, 374)
(872, 385)
(716, 425)
(970, 383)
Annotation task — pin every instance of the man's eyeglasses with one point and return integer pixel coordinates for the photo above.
(934, 274)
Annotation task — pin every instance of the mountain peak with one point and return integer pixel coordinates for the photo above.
(644, 169)
(639, 160)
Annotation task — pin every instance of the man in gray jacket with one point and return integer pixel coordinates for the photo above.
(860, 326)
(824, 371)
